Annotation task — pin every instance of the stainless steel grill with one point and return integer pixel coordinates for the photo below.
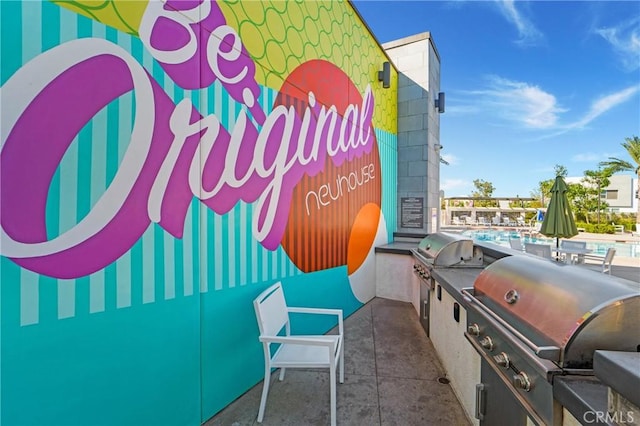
(531, 319)
(443, 249)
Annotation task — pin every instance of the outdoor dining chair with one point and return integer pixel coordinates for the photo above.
(516, 244)
(604, 261)
(542, 250)
(291, 351)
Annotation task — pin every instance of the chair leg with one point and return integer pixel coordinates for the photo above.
(342, 364)
(282, 370)
(265, 391)
(332, 382)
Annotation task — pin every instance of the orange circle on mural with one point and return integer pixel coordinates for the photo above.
(363, 233)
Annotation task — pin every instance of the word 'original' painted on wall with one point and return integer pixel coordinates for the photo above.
(174, 152)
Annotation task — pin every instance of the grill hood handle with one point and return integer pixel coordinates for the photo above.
(551, 353)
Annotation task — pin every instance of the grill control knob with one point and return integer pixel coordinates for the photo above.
(487, 343)
(473, 329)
(502, 359)
(521, 381)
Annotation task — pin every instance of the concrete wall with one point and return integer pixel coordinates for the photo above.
(418, 64)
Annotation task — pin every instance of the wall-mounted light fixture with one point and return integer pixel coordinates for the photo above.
(439, 102)
(385, 75)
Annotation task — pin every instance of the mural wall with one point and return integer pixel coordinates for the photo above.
(161, 163)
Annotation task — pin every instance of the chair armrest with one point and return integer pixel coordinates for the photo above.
(299, 340)
(321, 311)
(593, 256)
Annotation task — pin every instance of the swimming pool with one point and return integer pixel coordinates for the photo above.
(502, 237)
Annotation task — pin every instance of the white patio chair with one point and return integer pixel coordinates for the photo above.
(608, 259)
(516, 244)
(469, 221)
(604, 261)
(542, 250)
(308, 351)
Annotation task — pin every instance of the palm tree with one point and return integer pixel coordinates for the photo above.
(632, 145)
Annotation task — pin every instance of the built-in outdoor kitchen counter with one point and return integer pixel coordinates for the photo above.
(394, 269)
(438, 295)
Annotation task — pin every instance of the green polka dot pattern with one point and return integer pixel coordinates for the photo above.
(281, 35)
(122, 15)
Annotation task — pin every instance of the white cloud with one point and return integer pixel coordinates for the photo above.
(533, 107)
(528, 33)
(587, 157)
(522, 102)
(604, 104)
(625, 40)
(450, 158)
(459, 108)
(454, 184)
(530, 105)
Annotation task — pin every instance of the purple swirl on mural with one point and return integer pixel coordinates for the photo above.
(174, 154)
(61, 96)
(193, 44)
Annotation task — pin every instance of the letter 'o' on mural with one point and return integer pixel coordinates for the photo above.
(334, 207)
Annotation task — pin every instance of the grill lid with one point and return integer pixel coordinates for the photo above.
(448, 249)
(574, 309)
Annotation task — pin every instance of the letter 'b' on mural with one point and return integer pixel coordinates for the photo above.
(335, 212)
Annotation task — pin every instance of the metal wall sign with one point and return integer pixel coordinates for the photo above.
(411, 212)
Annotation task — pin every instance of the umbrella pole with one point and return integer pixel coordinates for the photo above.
(557, 247)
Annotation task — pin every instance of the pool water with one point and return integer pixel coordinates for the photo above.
(502, 237)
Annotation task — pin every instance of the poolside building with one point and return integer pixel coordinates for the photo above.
(621, 194)
(488, 211)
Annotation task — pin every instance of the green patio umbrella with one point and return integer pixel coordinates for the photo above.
(558, 221)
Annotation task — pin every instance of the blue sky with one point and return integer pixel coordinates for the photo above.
(529, 84)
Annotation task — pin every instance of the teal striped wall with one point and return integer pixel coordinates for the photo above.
(143, 313)
(388, 149)
(169, 311)
(142, 275)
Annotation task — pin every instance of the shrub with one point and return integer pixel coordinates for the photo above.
(628, 220)
(603, 228)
